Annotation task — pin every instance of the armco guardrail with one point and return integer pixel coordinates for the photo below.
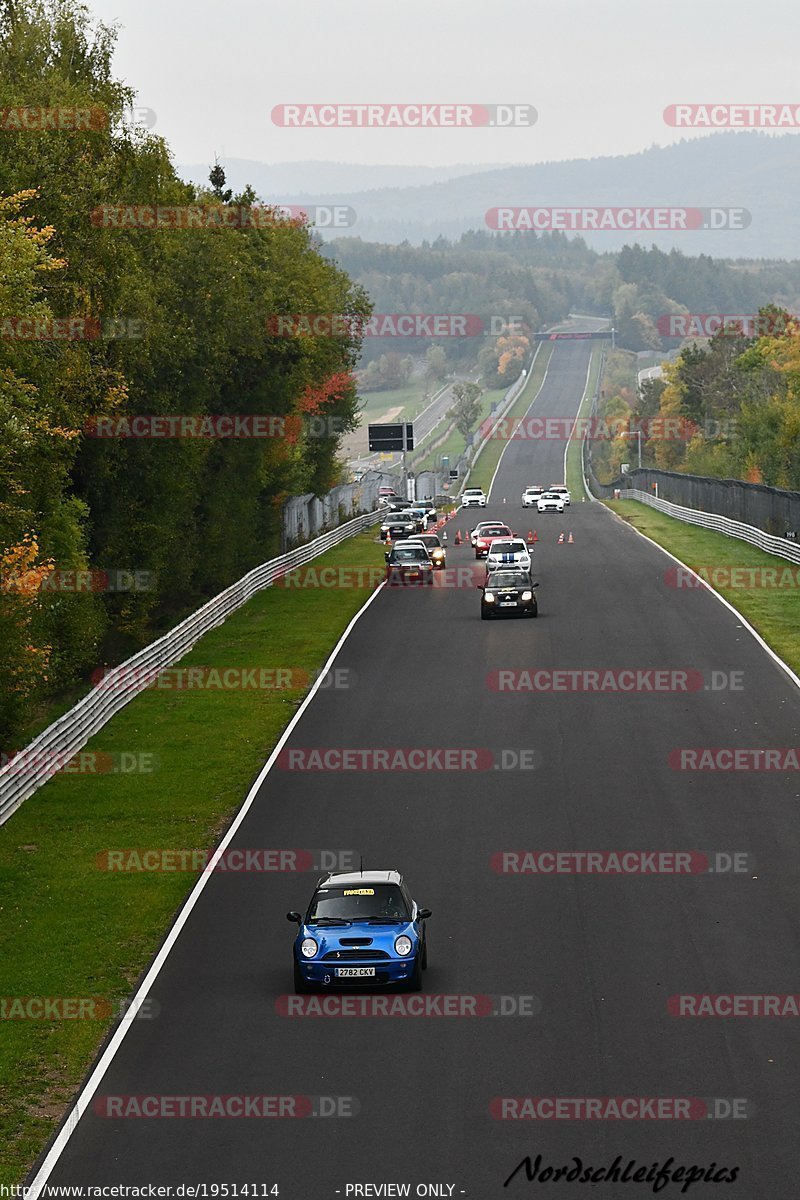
(56, 745)
(735, 529)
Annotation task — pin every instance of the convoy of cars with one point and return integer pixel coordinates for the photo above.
(363, 929)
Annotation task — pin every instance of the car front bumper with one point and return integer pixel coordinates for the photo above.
(521, 606)
(388, 973)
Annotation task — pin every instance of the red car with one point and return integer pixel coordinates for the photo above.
(484, 538)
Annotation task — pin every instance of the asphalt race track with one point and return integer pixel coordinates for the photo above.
(599, 954)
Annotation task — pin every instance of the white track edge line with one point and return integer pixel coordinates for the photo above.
(707, 587)
(83, 1099)
(527, 410)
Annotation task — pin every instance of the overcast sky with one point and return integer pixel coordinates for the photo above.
(598, 74)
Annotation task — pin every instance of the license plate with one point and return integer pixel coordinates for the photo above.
(508, 604)
(355, 972)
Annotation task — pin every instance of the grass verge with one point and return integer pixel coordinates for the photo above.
(726, 563)
(486, 462)
(70, 929)
(454, 445)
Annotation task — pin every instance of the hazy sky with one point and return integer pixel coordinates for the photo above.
(599, 74)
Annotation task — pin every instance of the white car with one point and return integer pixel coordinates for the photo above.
(550, 502)
(508, 552)
(561, 491)
(530, 496)
(473, 496)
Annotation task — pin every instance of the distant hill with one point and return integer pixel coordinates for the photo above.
(753, 170)
(292, 180)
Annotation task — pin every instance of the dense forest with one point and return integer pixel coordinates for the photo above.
(734, 400)
(101, 323)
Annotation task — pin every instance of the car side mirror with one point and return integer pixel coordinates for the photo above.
(481, 587)
(423, 914)
(534, 585)
(295, 917)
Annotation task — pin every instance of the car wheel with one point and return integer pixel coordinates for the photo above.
(535, 610)
(300, 986)
(414, 981)
(485, 615)
(425, 954)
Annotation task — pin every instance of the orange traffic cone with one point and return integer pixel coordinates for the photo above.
(560, 539)
(530, 537)
(570, 539)
(535, 536)
(458, 537)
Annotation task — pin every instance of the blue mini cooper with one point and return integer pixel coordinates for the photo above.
(360, 930)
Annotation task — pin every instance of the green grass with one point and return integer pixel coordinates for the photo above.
(69, 929)
(486, 462)
(574, 480)
(454, 445)
(773, 611)
(408, 398)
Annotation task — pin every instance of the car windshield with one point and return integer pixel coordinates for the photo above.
(359, 902)
(494, 531)
(410, 554)
(430, 541)
(506, 547)
(507, 579)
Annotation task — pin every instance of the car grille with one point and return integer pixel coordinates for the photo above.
(355, 955)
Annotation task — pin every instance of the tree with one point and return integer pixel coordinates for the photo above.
(216, 178)
(467, 408)
(435, 363)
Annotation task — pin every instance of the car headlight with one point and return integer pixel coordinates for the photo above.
(403, 945)
(526, 596)
(308, 947)
(488, 596)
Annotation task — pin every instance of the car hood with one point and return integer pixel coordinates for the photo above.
(372, 937)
